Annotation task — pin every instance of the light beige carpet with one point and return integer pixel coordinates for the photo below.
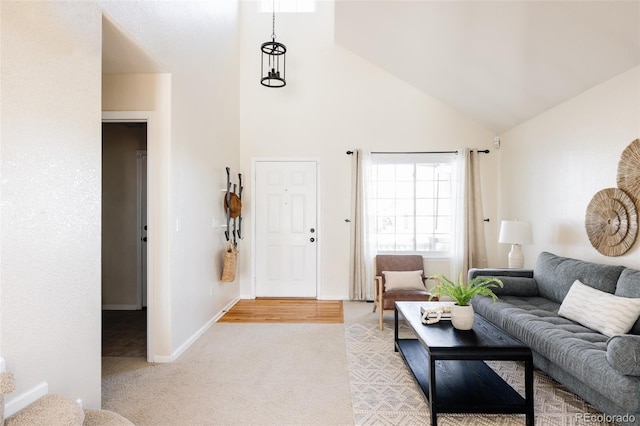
(301, 374)
(239, 374)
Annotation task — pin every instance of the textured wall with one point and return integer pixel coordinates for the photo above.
(51, 178)
(50, 236)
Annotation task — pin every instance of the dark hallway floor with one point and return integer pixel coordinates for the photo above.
(124, 333)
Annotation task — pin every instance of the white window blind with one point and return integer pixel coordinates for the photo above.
(287, 6)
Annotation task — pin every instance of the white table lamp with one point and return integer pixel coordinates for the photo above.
(515, 233)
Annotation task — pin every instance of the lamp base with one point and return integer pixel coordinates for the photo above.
(516, 258)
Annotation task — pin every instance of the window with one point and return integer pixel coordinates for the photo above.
(410, 203)
(287, 6)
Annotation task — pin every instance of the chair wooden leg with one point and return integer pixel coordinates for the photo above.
(375, 304)
(381, 311)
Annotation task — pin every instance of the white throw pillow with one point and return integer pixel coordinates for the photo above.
(610, 315)
(403, 280)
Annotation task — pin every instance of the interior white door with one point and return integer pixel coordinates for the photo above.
(142, 227)
(286, 231)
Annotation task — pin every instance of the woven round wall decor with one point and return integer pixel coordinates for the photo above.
(612, 222)
(628, 177)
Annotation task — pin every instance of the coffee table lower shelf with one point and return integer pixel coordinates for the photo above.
(463, 386)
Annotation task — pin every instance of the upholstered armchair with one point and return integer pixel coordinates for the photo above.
(398, 278)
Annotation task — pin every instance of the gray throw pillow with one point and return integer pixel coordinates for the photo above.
(623, 354)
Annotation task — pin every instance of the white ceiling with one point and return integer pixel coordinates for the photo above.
(500, 62)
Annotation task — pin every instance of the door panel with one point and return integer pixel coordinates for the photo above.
(142, 225)
(286, 204)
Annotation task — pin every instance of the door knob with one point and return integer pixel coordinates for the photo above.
(144, 239)
(312, 239)
(312, 230)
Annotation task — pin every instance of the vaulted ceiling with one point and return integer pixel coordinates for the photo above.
(500, 62)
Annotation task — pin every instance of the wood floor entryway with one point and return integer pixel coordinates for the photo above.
(286, 310)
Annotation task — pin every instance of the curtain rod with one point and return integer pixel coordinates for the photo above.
(483, 151)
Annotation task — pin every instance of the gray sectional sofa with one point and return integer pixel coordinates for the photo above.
(603, 370)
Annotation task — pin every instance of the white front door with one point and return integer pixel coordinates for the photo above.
(286, 231)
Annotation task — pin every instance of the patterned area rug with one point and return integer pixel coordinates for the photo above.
(383, 391)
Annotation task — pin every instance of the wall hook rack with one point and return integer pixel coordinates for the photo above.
(233, 209)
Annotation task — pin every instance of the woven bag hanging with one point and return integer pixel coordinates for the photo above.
(230, 262)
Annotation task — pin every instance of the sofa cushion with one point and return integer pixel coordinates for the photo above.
(500, 311)
(579, 351)
(629, 286)
(623, 354)
(403, 280)
(555, 275)
(600, 311)
(391, 297)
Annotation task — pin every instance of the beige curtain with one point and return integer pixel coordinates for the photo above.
(470, 248)
(361, 257)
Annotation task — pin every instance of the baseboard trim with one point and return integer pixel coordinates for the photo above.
(226, 309)
(120, 307)
(21, 401)
(333, 297)
(176, 354)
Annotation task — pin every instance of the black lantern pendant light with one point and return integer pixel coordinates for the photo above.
(272, 53)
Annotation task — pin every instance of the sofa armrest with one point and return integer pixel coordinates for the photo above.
(517, 282)
(623, 354)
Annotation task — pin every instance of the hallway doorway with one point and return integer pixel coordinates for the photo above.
(124, 239)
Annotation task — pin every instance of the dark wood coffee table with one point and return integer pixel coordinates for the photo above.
(448, 365)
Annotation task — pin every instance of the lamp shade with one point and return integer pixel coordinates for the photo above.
(515, 232)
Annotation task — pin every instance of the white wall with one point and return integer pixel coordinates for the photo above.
(50, 212)
(555, 163)
(51, 152)
(199, 48)
(335, 101)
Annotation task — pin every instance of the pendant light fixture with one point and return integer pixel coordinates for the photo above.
(273, 61)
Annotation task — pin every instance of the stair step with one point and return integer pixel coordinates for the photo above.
(50, 410)
(104, 418)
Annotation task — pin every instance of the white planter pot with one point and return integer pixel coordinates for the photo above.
(462, 317)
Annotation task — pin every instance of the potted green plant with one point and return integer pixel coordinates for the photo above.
(461, 292)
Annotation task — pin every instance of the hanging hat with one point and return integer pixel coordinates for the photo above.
(235, 205)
